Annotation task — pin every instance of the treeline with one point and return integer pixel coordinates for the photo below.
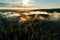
(30, 30)
(43, 10)
(49, 10)
(5, 10)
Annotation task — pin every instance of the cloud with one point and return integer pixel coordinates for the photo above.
(10, 1)
(18, 1)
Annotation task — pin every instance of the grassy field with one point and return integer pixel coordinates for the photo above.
(29, 30)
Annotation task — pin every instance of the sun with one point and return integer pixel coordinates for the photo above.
(26, 2)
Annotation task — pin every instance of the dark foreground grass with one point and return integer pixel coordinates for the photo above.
(31, 30)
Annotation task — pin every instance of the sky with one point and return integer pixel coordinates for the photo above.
(38, 2)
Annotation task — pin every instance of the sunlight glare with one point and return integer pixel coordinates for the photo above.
(26, 2)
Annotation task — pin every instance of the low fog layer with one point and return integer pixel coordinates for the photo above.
(26, 16)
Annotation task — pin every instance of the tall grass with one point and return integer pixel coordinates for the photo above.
(30, 30)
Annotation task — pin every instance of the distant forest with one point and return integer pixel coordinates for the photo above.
(43, 10)
(49, 10)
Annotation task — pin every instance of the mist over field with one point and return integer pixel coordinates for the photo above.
(16, 25)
